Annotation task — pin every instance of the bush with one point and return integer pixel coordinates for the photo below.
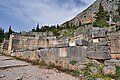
(118, 71)
(73, 62)
(75, 73)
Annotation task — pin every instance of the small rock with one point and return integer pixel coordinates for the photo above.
(109, 70)
(2, 76)
(76, 78)
(99, 79)
(82, 66)
(57, 71)
(93, 70)
(19, 78)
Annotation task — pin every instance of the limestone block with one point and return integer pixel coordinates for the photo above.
(82, 42)
(83, 60)
(102, 48)
(95, 40)
(34, 55)
(112, 62)
(98, 55)
(43, 52)
(63, 52)
(102, 39)
(62, 45)
(115, 56)
(115, 42)
(114, 50)
(72, 52)
(99, 32)
(95, 29)
(72, 44)
(25, 55)
(82, 51)
(101, 44)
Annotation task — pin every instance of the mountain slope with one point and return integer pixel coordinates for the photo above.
(87, 16)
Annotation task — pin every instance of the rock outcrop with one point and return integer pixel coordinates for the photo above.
(87, 16)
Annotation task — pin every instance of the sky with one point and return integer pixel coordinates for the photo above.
(23, 15)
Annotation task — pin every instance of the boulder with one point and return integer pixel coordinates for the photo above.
(109, 70)
(98, 55)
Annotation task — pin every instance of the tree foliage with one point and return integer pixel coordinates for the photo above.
(1, 35)
(101, 18)
(118, 7)
(56, 29)
(9, 32)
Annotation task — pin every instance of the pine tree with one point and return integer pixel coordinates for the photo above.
(37, 28)
(118, 7)
(10, 31)
(1, 35)
(101, 18)
(33, 30)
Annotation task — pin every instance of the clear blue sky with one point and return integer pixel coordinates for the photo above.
(23, 15)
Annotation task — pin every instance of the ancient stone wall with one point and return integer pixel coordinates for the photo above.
(47, 48)
(31, 41)
(115, 45)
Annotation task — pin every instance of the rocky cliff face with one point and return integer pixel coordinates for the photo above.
(87, 16)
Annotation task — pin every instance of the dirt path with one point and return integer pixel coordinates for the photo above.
(11, 69)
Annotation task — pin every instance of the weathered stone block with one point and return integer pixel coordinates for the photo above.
(34, 55)
(115, 42)
(63, 52)
(101, 44)
(82, 60)
(112, 62)
(102, 48)
(43, 53)
(72, 44)
(99, 32)
(82, 42)
(115, 50)
(62, 45)
(115, 56)
(25, 55)
(98, 55)
(72, 52)
(102, 39)
(82, 51)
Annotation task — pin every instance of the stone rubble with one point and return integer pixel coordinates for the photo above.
(109, 70)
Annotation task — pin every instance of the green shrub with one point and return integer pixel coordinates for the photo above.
(73, 62)
(118, 71)
(75, 73)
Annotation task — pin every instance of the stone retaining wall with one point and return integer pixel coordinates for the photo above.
(64, 55)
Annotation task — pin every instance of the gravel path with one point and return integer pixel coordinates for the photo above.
(18, 70)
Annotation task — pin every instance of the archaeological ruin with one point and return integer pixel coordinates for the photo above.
(97, 44)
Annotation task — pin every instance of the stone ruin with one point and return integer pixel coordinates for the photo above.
(44, 46)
